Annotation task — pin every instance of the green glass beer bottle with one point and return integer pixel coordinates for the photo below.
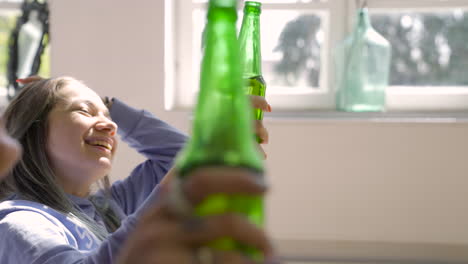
(250, 49)
(223, 124)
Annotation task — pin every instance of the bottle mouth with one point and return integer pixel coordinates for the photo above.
(253, 7)
(363, 13)
(253, 4)
(224, 3)
(363, 10)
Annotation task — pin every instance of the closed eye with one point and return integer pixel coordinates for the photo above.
(84, 111)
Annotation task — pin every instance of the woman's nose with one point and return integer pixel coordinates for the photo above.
(107, 125)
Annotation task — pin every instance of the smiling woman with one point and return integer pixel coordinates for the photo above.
(53, 134)
(81, 138)
(49, 214)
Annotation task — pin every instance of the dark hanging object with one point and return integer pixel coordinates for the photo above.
(27, 7)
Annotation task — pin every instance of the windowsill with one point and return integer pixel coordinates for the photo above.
(380, 117)
(328, 251)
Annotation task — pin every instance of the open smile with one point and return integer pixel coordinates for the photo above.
(104, 144)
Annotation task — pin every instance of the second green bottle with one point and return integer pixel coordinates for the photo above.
(250, 50)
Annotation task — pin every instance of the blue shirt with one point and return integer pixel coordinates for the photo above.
(32, 233)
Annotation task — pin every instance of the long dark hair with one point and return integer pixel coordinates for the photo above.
(26, 119)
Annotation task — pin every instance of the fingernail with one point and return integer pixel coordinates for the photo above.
(269, 108)
(19, 80)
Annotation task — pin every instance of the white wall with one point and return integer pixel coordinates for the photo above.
(403, 182)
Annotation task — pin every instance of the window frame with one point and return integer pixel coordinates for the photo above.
(179, 94)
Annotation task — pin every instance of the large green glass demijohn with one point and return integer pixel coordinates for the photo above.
(362, 68)
(223, 123)
(250, 49)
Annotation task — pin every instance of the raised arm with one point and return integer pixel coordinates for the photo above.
(156, 140)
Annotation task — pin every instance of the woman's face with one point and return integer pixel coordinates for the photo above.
(10, 151)
(81, 137)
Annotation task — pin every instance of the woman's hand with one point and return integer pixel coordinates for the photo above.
(262, 133)
(165, 235)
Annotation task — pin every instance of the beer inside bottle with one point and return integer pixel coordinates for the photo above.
(222, 128)
(256, 86)
(250, 49)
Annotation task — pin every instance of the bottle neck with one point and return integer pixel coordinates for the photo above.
(222, 9)
(363, 19)
(220, 50)
(222, 130)
(250, 46)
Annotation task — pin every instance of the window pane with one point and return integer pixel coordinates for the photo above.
(44, 70)
(429, 48)
(198, 19)
(7, 23)
(291, 55)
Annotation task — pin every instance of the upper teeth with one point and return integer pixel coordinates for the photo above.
(101, 143)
